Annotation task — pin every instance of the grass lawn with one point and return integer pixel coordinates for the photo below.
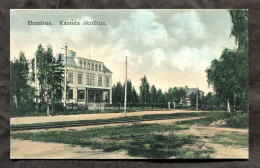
(231, 139)
(148, 141)
(153, 141)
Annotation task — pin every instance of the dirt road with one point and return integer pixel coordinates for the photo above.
(43, 119)
(25, 149)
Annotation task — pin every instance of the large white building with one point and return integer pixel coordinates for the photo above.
(89, 81)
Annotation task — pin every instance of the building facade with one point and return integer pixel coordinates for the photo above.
(89, 81)
(189, 92)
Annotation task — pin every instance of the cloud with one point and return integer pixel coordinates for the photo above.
(188, 23)
(171, 47)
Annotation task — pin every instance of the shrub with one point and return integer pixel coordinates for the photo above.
(238, 120)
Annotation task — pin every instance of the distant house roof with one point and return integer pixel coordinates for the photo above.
(106, 70)
(189, 91)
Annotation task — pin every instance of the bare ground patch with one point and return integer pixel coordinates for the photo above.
(26, 149)
(222, 151)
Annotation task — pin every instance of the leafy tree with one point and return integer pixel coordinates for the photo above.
(210, 102)
(229, 74)
(135, 96)
(117, 93)
(175, 94)
(22, 94)
(50, 75)
(161, 97)
(153, 93)
(144, 90)
(193, 100)
(239, 29)
(57, 81)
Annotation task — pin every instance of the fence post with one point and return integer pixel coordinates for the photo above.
(142, 106)
(118, 106)
(161, 106)
(131, 106)
(169, 105)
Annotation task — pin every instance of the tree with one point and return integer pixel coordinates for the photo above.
(49, 74)
(22, 94)
(161, 97)
(57, 81)
(175, 94)
(117, 93)
(229, 74)
(144, 90)
(193, 99)
(239, 29)
(153, 93)
(135, 96)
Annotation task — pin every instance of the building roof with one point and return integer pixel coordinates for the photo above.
(106, 70)
(89, 59)
(189, 91)
(70, 61)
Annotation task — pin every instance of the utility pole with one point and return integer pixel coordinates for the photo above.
(89, 45)
(65, 79)
(125, 83)
(197, 99)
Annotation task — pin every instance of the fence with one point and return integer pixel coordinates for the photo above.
(77, 108)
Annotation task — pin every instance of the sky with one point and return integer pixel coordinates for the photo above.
(172, 48)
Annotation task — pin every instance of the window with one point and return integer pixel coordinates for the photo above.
(70, 77)
(81, 94)
(93, 80)
(107, 82)
(99, 67)
(88, 80)
(70, 94)
(85, 64)
(92, 67)
(80, 64)
(100, 81)
(88, 66)
(79, 78)
(96, 68)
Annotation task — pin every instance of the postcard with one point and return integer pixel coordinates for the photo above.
(129, 84)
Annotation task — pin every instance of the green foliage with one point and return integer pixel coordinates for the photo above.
(175, 95)
(240, 27)
(238, 120)
(153, 93)
(229, 74)
(118, 93)
(146, 141)
(211, 102)
(161, 97)
(145, 90)
(240, 140)
(22, 94)
(50, 75)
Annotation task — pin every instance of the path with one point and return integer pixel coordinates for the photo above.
(25, 149)
(44, 119)
(166, 122)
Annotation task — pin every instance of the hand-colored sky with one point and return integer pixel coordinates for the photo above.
(171, 47)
